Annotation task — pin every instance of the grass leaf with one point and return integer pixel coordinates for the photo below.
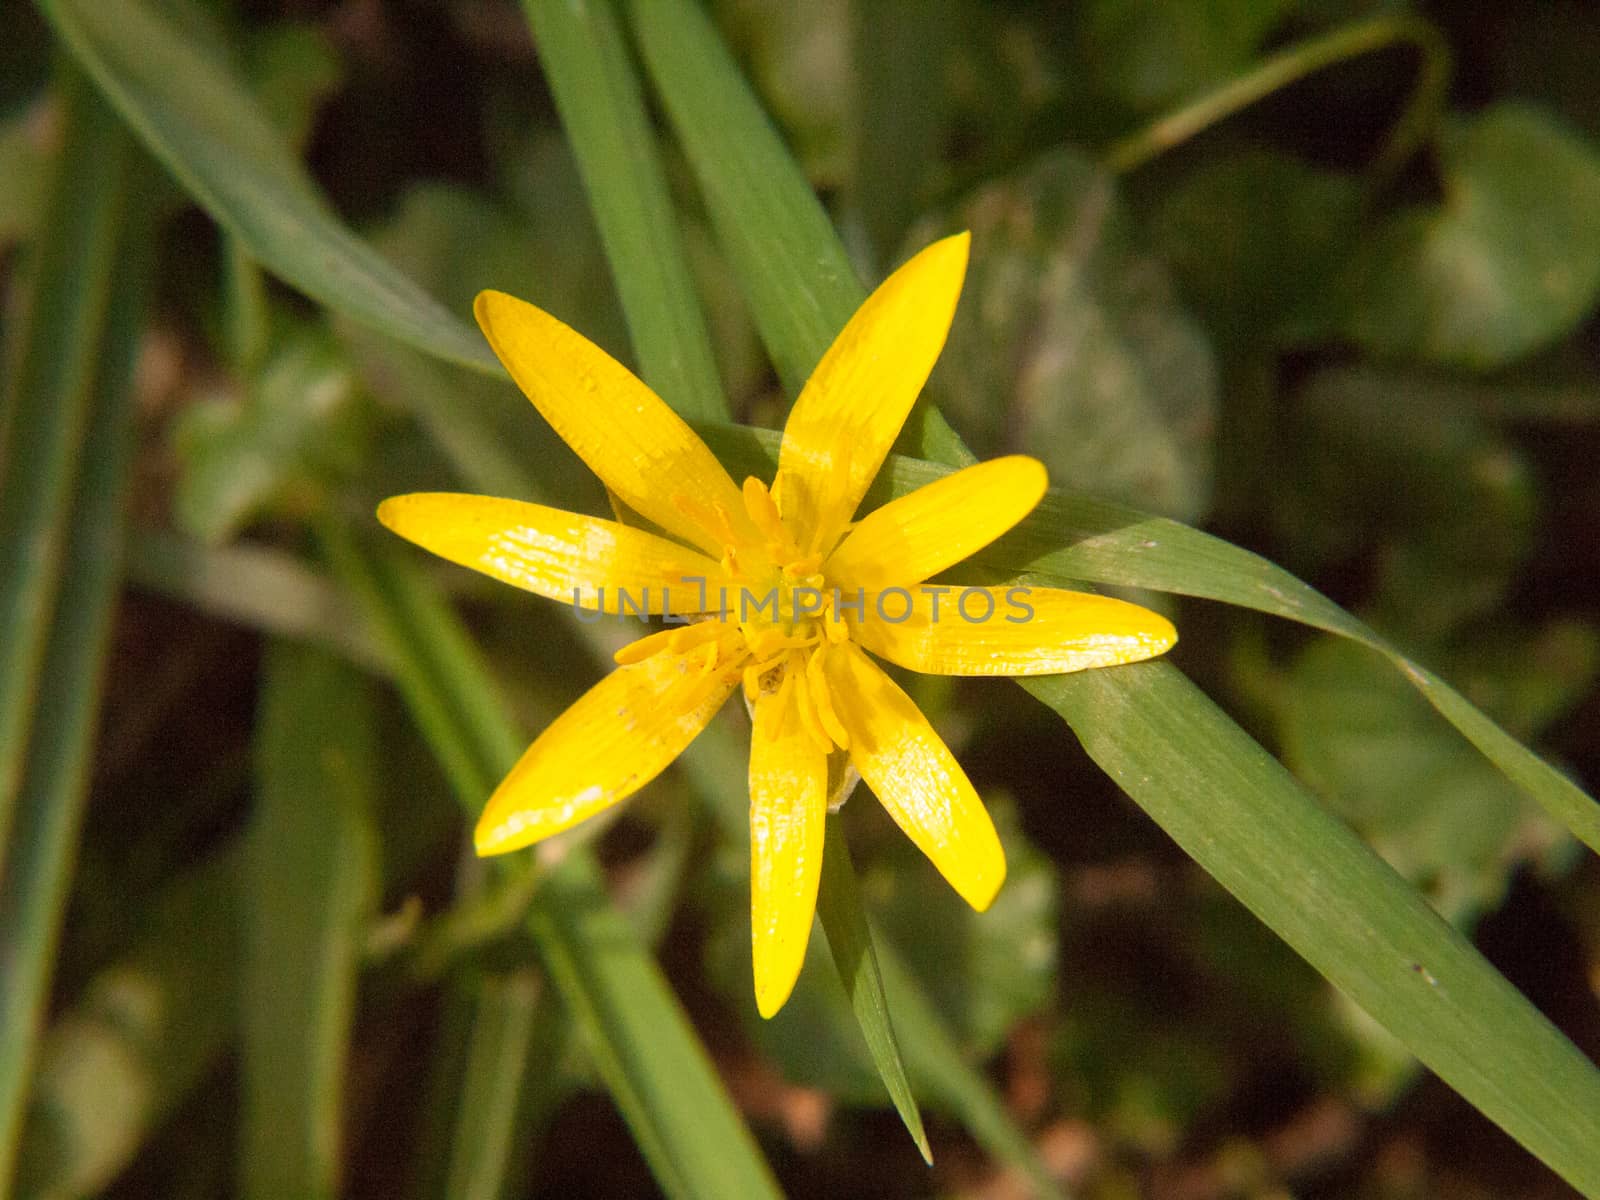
(197, 118)
(68, 433)
(311, 882)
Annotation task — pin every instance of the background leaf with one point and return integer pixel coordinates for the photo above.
(1508, 263)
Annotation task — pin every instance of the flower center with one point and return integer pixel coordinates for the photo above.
(774, 617)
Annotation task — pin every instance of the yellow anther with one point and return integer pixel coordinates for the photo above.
(645, 647)
(678, 640)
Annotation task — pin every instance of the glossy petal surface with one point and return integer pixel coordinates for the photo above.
(617, 737)
(936, 526)
(551, 552)
(855, 402)
(640, 448)
(1011, 631)
(788, 801)
(915, 777)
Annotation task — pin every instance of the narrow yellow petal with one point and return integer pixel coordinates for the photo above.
(639, 447)
(855, 402)
(788, 800)
(916, 778)
(617, 737)
(936, 526)
(1009, 631)
(557, 554)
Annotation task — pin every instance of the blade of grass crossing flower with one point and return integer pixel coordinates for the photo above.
(1532, 1083)
(631, 1024)
(311, 879)
(851, 944)
(585, 62)
(1246, 820)
(201, 122)
(51, 740)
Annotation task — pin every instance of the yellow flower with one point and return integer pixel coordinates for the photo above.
(784, 592)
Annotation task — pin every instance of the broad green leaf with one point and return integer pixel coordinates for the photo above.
(582, 53)
(48, 399)
(146, 1029)
(1069, 345)
(1508, 263)
(1253, 239)
(1217, 792)
(310, 885)
(1397, 470)
(201, 122)
(1437, 811)
(298, 426)
(65, 437)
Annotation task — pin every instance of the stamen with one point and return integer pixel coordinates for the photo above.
(679, 640)
(645, 647)
(822, 699)
(803, 701)
(713, 519)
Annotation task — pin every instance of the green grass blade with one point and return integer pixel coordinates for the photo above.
(850, 941)
(637, 1035)
(940, 1070)
(1243, 817)
(51, 740)
(199, 120)
(311, 881)
(146, 1030)
(47, 403)
(585, 62)
(646, 1051)
(500, 1079)
(768, 221)
(1152, 736)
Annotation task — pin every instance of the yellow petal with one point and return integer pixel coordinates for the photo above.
(617, 737)
(788, 800)
(914, 775)
(561, 555)
(1009, 631)
(936, 526)
(640, 448)
(855, 402)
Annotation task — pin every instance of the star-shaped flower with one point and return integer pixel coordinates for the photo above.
(784, 592)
